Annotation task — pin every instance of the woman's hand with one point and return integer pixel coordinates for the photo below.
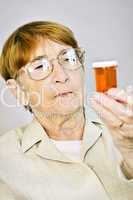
(115, 108)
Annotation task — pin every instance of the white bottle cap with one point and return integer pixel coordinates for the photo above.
(104, 64)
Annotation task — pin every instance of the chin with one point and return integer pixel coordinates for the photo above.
(62, 109)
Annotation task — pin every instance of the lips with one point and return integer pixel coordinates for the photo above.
(63, 93)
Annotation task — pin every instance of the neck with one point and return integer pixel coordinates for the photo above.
(63, 126)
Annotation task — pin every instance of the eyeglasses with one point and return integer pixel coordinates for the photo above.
(41, 67)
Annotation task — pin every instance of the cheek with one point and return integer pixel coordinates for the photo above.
(41, 95)
(77, 79)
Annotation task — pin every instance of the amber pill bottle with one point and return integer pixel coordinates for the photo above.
(105, 75)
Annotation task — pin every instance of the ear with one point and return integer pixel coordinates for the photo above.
(12, 85)
(18, 92)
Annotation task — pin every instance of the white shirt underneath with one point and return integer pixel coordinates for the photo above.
(71, 149)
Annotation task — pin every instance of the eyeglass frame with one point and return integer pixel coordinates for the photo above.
(25, 67)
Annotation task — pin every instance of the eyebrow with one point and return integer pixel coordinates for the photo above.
(45, 56)
(38, 58)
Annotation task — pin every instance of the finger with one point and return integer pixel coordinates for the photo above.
(124, 96)
(117, 108)
(108, 117)
(127, 130)
(122, 141)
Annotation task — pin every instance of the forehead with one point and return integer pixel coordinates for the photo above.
(49, 48)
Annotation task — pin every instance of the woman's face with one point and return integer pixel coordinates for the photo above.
(43, 95)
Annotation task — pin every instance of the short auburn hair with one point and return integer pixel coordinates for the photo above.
(19, 47)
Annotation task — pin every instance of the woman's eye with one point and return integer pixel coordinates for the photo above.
(71, 59)
(66, 59)
(38, 67)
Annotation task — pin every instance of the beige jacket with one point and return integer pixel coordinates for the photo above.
(32, 168)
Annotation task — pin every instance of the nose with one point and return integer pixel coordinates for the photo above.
(59, 74)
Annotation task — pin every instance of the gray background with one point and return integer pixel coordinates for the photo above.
(103, 27)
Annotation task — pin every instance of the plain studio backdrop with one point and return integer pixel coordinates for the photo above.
(103, 27)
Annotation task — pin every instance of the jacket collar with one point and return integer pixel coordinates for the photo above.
(34, 133)
(92, 131)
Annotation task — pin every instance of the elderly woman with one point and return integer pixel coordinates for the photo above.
(66, 152)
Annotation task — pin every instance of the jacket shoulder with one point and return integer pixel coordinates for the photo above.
(8, 136)
(5, 192)
(12, 137)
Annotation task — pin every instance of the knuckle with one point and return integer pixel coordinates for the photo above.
(130, 99)
(129, 116)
